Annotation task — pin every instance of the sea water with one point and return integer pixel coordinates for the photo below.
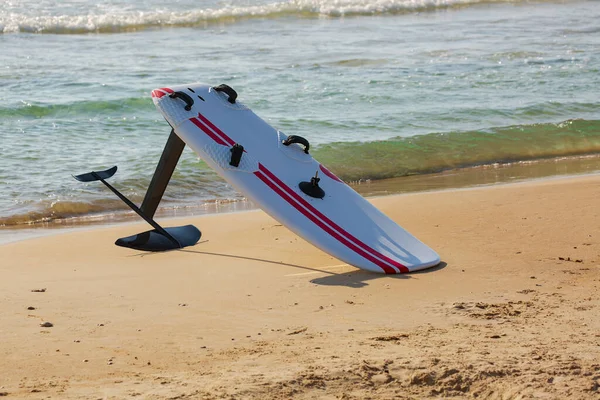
(381, 89)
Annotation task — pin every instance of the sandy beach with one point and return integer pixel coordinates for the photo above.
(253, 311)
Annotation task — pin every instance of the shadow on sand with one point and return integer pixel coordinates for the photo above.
(355, 279)
(359, 279)
(186, 250)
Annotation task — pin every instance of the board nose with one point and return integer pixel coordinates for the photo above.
(158, 93)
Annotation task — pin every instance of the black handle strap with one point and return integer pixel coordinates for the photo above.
(297, 139)
(189, 102)
(228, 91)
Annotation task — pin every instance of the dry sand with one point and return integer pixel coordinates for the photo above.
(252, 311)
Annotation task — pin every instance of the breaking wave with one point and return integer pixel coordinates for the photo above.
(435, 152)
(196, 186)
(54, 20)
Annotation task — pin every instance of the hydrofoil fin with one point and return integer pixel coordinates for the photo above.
(158, 239)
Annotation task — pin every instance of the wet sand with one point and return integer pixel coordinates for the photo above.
(253, 311)
(473, 176)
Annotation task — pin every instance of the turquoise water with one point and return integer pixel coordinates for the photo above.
(380, 88)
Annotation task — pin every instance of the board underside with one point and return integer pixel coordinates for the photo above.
(342, 223)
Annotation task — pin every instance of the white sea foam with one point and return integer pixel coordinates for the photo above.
(84, 17)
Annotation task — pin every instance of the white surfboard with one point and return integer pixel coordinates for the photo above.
(328, 213)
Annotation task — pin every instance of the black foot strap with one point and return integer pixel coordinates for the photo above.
(297, 139)
(189, 102)
(228, 91)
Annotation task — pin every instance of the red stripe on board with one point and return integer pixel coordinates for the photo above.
(206, 130)
(325, 219)
(216, 130)
(295, 200)
(386, 268)
(329, 173)
(166, 89)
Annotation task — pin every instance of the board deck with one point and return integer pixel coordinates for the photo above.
(342, 223)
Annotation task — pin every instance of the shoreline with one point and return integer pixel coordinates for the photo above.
(253, 311)
(467, 177)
